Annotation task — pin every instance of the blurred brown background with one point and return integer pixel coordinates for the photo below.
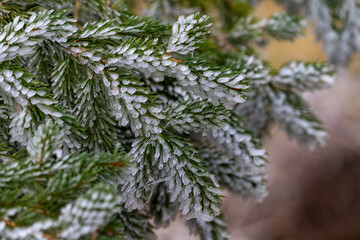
(312, 195)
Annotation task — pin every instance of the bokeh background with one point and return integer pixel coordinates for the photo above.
(312, 195)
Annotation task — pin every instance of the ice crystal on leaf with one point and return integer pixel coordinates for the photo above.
(180, 169)
(186, 33)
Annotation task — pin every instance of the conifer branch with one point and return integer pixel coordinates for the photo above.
(111, 122)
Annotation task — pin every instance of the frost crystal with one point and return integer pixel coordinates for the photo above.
(305, 77)
(20, 37)
(186, 33)
(274, 101)
(183, 173)
(241, 151)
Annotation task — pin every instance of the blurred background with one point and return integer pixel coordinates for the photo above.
(312, 195)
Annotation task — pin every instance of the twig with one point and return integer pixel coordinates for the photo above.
(77, 11)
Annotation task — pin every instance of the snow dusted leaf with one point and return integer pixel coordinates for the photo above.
(89, 212)
(281, 26)
(132, 26)
(285, 27)
(275, 101)
(297, 119)
(269, 105)
(94, 114)
(162, 209)
(30, 184)
(219, 85)
(135, 225)
(171, 160)
(46, 142)
(253, 68)
(186, 33)
(20, 37)
(64, 81)
(195, 116)
(241, 162)
(133, 103)
(305, 77)
(336, 26)
(214, 230)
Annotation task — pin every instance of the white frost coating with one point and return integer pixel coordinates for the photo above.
(130, 109)
(267, 106)
(280, 26)
(197, 80)
(192, 80)
(252, 69)
(129, 103)
(246, 27)
(176, 163)
(89, 212)
(339, 44)
(285, 27)
(99, 30)
(12, 83)
(106, 29)
(214, 230)
(296, 122)
(273, 101)
(186, 33)
(46, 142)
(183, 118)
(35, 231)
(19, 37)
(242, 165)
(306, 77)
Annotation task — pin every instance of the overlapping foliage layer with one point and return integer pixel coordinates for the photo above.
(109, 121)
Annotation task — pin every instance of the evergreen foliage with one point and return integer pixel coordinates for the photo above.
(111, 123)
(337, 25)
